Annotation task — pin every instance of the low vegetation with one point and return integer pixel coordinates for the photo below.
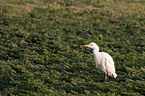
(41, 50)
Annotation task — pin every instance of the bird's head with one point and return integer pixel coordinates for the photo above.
(93, 46)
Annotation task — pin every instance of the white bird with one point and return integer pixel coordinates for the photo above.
(103, 60)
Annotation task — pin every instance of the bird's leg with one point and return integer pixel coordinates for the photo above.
(105, 76)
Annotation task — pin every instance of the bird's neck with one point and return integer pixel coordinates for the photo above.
(95, 50)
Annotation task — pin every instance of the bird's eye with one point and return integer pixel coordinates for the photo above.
(91, 44)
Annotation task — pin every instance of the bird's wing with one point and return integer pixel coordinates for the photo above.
(109, 63)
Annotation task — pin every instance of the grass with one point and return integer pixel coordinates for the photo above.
(41, 50)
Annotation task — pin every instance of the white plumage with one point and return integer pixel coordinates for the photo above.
(103, 60)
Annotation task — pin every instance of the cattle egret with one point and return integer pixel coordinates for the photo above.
(103, 60)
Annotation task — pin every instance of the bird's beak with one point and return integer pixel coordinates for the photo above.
(86, 45)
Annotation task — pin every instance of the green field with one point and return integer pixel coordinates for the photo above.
(42, 52)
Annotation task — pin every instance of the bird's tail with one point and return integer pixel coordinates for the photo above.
(115, 75)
